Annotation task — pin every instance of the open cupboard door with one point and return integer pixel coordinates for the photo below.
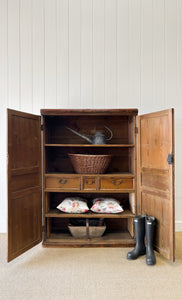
(24, 182)
(156, 176)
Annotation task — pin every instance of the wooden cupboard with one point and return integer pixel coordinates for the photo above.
(40, 176)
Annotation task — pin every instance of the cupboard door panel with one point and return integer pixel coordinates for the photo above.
(24, 182)
(156, 176)
(24, 209)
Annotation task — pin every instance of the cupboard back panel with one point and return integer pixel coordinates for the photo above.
(116, 225)
(56, 132)
(59, 225)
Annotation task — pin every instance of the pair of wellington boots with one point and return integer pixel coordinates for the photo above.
(144, 225)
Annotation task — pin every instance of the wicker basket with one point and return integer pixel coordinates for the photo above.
(81, 232)
(90, 164)
(87, 231)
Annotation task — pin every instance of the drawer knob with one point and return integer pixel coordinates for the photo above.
(62, 181)
(90, 182)
(117, 183)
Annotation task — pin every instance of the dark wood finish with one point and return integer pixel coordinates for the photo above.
(92, 112)
(156, 176)
(24, 182)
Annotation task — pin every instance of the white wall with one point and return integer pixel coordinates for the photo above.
(90, 54)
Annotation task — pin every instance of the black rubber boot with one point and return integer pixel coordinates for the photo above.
(140, 249)
(150, 224)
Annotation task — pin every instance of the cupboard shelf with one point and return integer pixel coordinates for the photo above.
(92, 146)
(89, 191)
(128, 175)
(55, 213)
(114, 239)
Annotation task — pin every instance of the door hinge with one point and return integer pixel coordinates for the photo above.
(136, 130)
(170, 159)
(42, 127)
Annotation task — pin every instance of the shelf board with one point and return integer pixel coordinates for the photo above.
(90, 145)
(55, 213)
(124, 175)
(116, 239)
(89, 191)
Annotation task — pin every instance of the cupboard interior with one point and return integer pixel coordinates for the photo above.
(59, 141)
(115, 225)
(53, 199)
(57, 159)
(118, 233)
(57, 133)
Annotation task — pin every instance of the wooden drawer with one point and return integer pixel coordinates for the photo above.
(89, 183)
(116, 183)
(63, 183)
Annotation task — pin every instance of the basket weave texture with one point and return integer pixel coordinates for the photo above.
(90, 164)
(81, 231)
